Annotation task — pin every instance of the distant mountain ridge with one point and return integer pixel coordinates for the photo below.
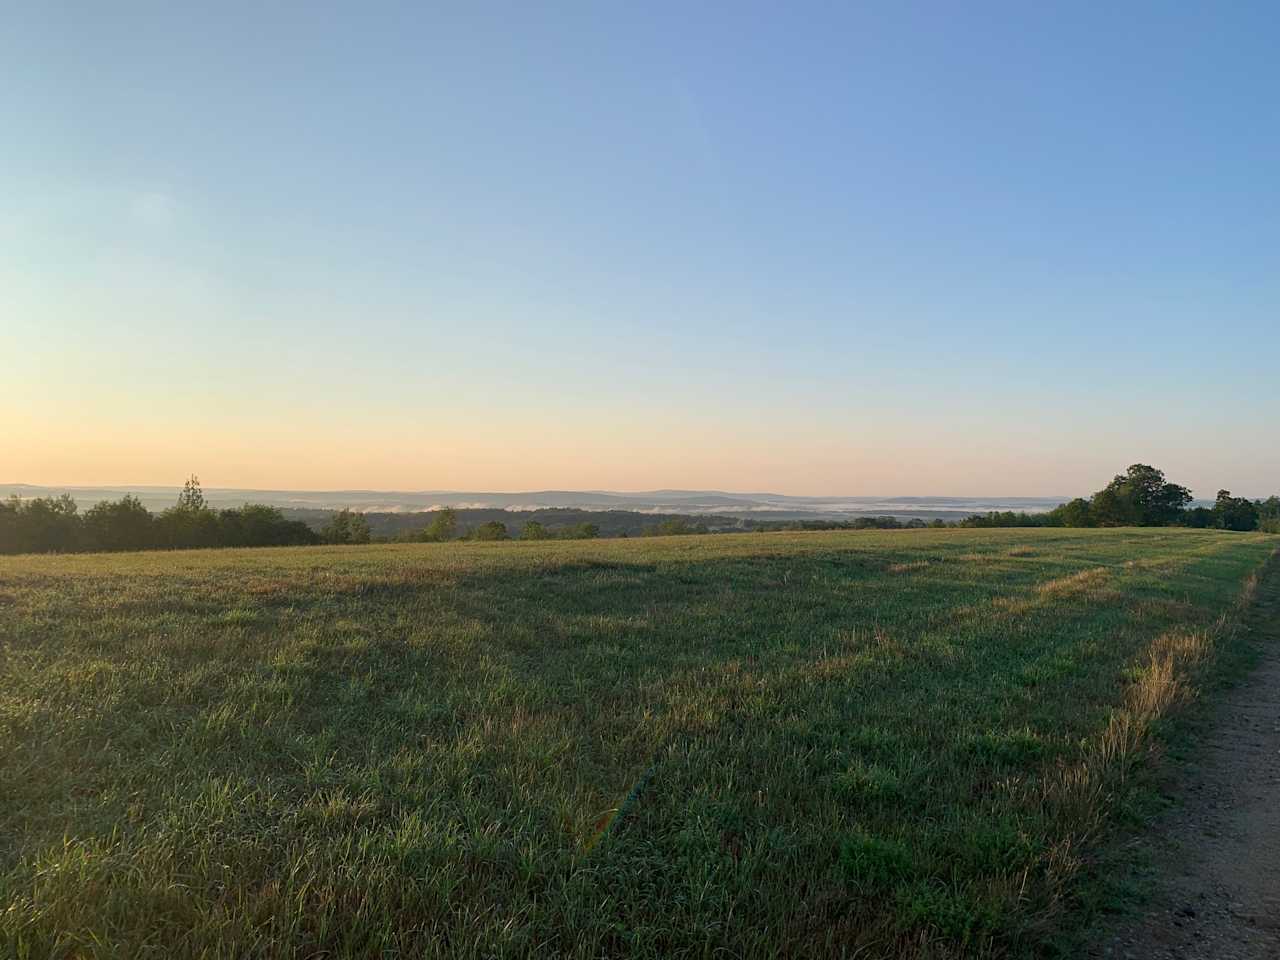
(693, 502)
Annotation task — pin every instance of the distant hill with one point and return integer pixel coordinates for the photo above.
(704, 504)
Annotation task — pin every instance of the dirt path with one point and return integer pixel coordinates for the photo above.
(1217, 855)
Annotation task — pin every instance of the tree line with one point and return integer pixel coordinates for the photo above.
(348, 526)
(1139, 497)
(1142, 497)
(55, 524)
(445, 526)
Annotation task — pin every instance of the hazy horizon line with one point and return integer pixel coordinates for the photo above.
(126, 485)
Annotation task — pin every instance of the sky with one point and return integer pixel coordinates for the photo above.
(852, 248)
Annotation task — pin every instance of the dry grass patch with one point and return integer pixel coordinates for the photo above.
(1015, 606)
(1091, 583)
(908, 567)
(1083, 582)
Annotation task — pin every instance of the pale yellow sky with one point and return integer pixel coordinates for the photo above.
(536, 452)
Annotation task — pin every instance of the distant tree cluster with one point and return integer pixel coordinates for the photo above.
(446, 525)
(346, 527)
(551, 523)
(533, 530)
(675, 527)
(1142, 497)
(856, 523)
(493, 530)
(1008, 518)
(443, 527)
(55, 525)
(576, 531)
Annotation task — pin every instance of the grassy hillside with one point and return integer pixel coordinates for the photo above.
(787, 743)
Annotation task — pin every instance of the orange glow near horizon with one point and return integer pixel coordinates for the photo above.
(536, 455)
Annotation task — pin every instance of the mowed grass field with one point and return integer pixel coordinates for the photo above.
(869, 744)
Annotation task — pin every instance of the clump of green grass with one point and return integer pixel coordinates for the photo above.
(1019, 748)
(748, 745)
(875, 865)
(870, 783)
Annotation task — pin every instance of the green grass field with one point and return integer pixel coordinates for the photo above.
(904, 744)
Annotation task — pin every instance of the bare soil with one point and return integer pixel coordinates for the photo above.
(1217, 853)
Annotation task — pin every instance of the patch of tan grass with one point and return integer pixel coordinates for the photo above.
(908, 567)
(836, 666)
(1073, 584)
(1013, 605)
(1086, 582)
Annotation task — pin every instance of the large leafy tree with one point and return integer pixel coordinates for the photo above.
(1139, 497)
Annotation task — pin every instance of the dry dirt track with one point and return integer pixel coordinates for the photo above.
(1217, 856)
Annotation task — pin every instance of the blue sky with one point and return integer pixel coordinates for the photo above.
(860, 249)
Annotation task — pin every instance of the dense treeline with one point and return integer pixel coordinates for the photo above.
(561, 523)
(55, 524)
(1142, 497)
(856, 523)
(557, 522)
(445, 525)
